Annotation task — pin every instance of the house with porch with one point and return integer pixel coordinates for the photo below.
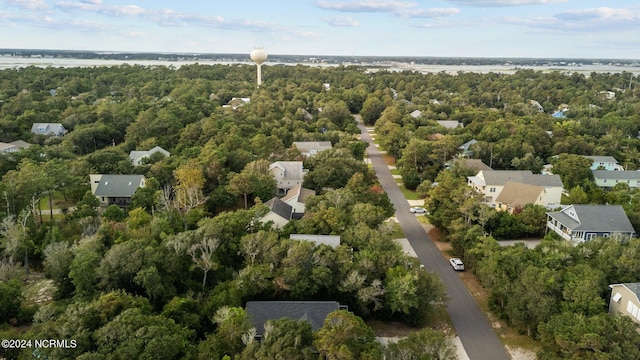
(580, 223)
(608, 179)
(625, 300)
(490, 184)
(115, 189)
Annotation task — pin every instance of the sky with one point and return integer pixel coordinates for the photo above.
(442, 28)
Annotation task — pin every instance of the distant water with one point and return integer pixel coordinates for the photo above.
(9, 62)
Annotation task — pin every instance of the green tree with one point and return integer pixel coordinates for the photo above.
(573, 169)
(426, 344)
(345, 336)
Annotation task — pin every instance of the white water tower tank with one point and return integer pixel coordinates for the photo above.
(258, 56)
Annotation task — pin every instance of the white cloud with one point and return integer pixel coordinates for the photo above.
(399, 8)
(598, 20)
(27, 4)
(340, 21)
(481, 3)
(123, 10)
(92, 2)
(602, 13)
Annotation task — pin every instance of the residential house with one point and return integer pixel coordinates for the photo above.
(331, 240)
(237, 102)
(515, 196)
(450, 124)
(608, 179)
(608, 163)
(473, 165)
(287, 174)
(490, 183)
(296, 198)
(416, 114)
(21, 144)
(607, 95)
(115, 189)
(625, 300)
(6, 148)
(537, 106)
(560, 114)
(136, 157)
(279, 213)
(465, 149)
(48, 129)
(310, 148)
(579, 223)
(313, 312)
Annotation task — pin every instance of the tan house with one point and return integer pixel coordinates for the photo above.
(279, 213)
(515, 196)
(490, 183)
(296, 197)
(625, 300)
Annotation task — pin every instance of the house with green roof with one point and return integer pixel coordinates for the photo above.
(115, 189)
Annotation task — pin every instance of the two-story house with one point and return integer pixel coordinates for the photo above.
(604, 163)
(580, 223)
(608, 179)
(287, 174)
(625, 300)
(490, 183)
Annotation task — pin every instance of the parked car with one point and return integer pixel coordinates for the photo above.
(456, 264)
(418, 210)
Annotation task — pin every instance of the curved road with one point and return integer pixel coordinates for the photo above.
(476, 334)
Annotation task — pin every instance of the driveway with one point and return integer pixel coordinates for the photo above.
(476, 334)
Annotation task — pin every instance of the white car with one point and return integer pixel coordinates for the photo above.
(456, 264)
(418, 210)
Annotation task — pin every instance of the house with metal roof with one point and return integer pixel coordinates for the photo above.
(625, 300)
(48, 129)
(115, 189)
(287, 174)
(313, 312)
(490, 183)
(331, 240)
(450, 124)
(136, 156)
(608, 179)
(579, 223)
(279, 213)
(310, 148)
(296, 197)
(6, 148)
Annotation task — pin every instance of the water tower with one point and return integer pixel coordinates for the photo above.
(258, 56)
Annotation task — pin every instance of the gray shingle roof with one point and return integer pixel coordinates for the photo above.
(314, 312)
(616, 175)
(501, 177)
(48, 129)
(280, 208)
(118, 185)
(597, 218)
(292, 169)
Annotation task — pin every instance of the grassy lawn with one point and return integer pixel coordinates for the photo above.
(409, 194)
(397, 231)
(57, 200)
(395, 171)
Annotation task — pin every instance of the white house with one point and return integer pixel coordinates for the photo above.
(608, 179)
(136, 157)
(490, 183)
(604, 163)
(579, 223)
(310, 148)
(287, 174)
(48, 129)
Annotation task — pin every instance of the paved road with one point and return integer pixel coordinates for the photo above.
(471, 325)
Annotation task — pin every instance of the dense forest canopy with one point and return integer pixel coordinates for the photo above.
(181, 261)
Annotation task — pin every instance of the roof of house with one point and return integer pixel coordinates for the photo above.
(468, 144)
(331, 240)
(602, 159)
(314, 312)
(118, 185)
(616, 175)
(450, 124)
(416, 113)
(633, 287)
(292, 169)
(436, 136)
(518, 194)
(47, 128)
(501, 177)
(5, 146)
(21, 144)
(280, 208)
(598, 218)
(136, 155)
(307, 146)
(298, 193)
